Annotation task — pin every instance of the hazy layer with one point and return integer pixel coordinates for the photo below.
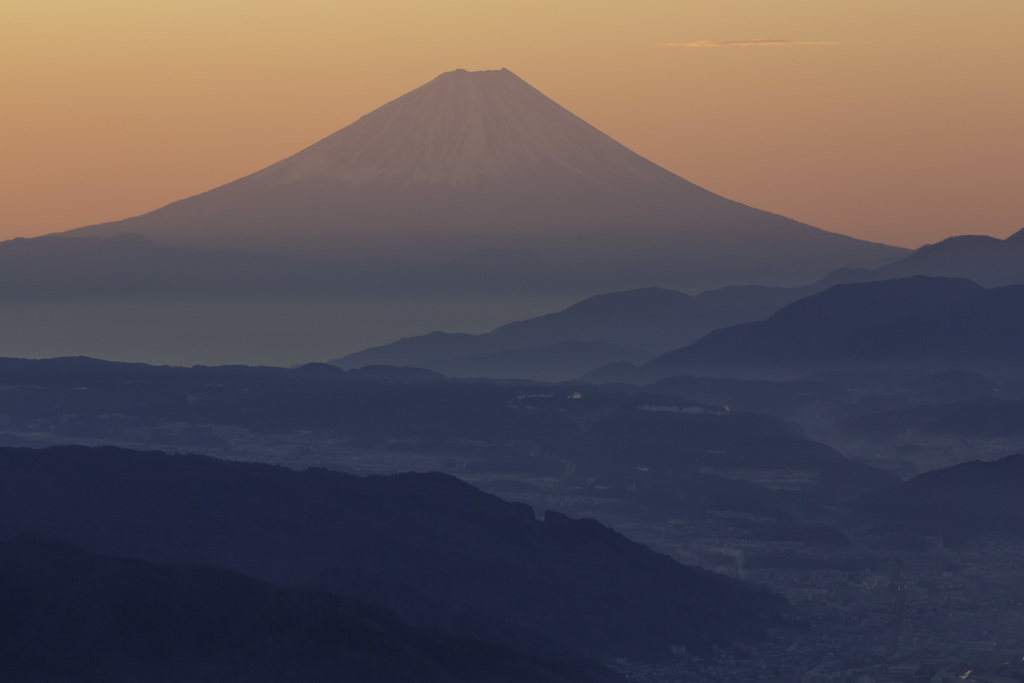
(284, 332)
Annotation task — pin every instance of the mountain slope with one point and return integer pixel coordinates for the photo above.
(73, 616)
(927, 323)
(989, 261)
(651, 320)
(481, 160)
(428, 546)
(963, 503)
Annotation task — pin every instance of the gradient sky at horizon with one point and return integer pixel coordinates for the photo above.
(892, 120)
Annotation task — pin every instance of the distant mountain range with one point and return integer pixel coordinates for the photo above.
(477, 161)
(989, 261)
(919, 322)
(622, 326)
(655, 320)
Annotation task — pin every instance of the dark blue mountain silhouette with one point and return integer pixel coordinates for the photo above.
(919, 322)
(430, 546)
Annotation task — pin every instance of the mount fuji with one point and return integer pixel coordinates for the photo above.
(483, 162)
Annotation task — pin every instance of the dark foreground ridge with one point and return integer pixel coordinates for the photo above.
(431, 547)
(77, 617)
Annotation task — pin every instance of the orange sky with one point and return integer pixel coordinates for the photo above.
(894, 120)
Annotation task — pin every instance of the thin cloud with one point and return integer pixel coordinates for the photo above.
(764, 42)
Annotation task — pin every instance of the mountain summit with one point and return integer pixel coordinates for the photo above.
(481, 161)
(462, 128)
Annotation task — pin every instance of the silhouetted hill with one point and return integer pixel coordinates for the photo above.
(919, 322)
(422, 350)
(318, 370)
(989, 261)
(650, 320)
(732, 461)
(433, 547)
(962, 503)
(481, 160)
(74, 616)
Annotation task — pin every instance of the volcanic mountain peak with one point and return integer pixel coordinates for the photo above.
(461, 128)
(479, 161)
